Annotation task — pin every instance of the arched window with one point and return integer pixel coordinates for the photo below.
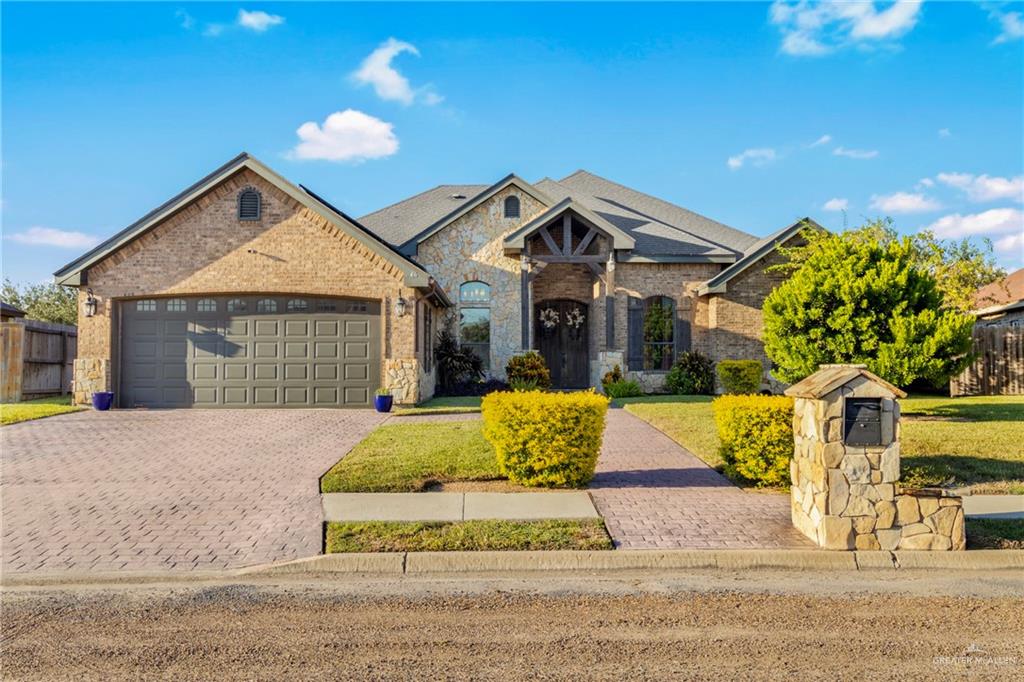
(266, 305)
(146, 305)
(249, 204)
(206, 305)
(511, 207)
(297, 305)
(475, 319)
(659, 333)
(176, 305)
(236, 305)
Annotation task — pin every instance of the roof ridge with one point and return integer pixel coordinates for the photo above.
(417, 195)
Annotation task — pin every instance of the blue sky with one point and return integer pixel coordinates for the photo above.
(752, 114)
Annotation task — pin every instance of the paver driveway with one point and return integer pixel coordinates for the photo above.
(654, 494)
(174, 489)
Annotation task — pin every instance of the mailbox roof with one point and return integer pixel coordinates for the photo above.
(831, 377)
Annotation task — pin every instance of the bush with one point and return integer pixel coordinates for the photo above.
(545, 439)
(691, 375)
(523, 385)
(756, 434)
(472, 388)
(611, 377)
(530, 367)
(455, 365)
(740, 376)
(623, 389)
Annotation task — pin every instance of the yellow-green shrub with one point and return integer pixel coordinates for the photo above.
(756, 432)
(740, 376)
(545, 439)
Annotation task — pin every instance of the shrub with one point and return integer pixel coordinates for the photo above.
(623, 389)
(529, 366)
(691, 375)
(476, 387)
(455, 365)
(523, 384)
(612, 376)
(545, 439)
(756, 434)
(740, 376)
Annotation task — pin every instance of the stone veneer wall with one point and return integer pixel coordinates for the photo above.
(205, 249)
(848, 497)
(472, 248)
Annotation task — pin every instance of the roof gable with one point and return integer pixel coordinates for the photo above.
(831, 377)
(70, 274)
(620, 239)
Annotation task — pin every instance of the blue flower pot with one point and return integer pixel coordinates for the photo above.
(383, 402)
(102, 400)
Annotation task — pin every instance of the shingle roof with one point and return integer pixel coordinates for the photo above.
(660, 228)
(755, 252)
(401, 221)
(830, 377)
(1009, 289)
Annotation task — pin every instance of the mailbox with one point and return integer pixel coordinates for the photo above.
(863, 421)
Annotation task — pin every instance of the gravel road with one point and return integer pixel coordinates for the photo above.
(693, 625)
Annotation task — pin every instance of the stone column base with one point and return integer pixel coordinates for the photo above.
(90, 375)
(402, 378)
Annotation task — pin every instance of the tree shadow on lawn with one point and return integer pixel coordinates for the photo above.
(694, 477)
(953, 470)
(965, 411)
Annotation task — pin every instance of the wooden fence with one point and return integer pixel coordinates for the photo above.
(999, 369)
(37, 359)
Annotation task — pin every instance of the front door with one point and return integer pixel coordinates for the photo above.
(561, 337)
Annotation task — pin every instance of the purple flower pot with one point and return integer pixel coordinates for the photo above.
(383, 402)
(102, 400)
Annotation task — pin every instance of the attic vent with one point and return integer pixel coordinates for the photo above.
(249, 204)
(456, 196)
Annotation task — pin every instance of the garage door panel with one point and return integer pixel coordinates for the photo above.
(320, 354)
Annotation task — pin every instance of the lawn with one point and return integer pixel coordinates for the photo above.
(445, 405)
(995, 533)
(12, 413)
(466, 536)
(411, 457)
(975, 443)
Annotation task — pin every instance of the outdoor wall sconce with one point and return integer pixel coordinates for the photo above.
(90, 303)
(400, 306)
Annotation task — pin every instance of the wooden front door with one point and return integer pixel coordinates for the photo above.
(560, 333)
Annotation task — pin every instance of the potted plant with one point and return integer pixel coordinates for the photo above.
(102, 400)
(382, 400)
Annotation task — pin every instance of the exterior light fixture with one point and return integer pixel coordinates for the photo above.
(400, 306)
(90, 303)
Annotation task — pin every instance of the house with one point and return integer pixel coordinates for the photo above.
(10, 313)
(248, 290)
(998, 341)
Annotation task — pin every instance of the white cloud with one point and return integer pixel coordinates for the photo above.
(904, 202)
(348, 135)
(213, 30)
(1012, 245)
(945, 132)
(985, 187)
(836, 204)
(186, 20)
(756, 157)
(925, 182)
(387, 82)
(855, 153)
(811, 28)
(1011, 25)
(48, 236)
(258, 20)
(995, 221)
(824, 139)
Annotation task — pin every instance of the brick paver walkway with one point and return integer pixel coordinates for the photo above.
(176, 489)
(654, 494)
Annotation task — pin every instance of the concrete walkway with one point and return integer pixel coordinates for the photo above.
(994, 506)
(654, 494)
(457, 506)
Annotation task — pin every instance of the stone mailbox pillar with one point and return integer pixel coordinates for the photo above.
(845, 470)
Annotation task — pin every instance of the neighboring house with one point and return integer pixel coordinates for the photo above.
(247, 290)
(9, 313)
(998, 341)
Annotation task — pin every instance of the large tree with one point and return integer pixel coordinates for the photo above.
(46, 302)
(869, 296)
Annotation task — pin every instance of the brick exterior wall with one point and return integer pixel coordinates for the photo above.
(205, 249)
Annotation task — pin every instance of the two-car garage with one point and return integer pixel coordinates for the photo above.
(249, 351)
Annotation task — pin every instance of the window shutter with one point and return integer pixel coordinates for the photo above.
(635, 335)
(683, 340)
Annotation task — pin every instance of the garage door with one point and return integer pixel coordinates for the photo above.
(249, 351)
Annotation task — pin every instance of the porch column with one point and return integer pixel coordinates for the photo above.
(524, 296)
(609, 302)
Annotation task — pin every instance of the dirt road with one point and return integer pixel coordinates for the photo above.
(755, 625)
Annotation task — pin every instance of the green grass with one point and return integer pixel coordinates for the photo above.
(466, 536)
(12, 413)
(446, 405)
(995, 533)
(410, 457)
(975, 443)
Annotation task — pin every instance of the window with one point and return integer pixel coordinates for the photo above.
(659, 328)
(266, 305)
(297, 305)
(511, 207)
(206, 305)
(176, 305)
(249, 204)
(475, 319)
(326, 306)
(236, 305)
(146, 306)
